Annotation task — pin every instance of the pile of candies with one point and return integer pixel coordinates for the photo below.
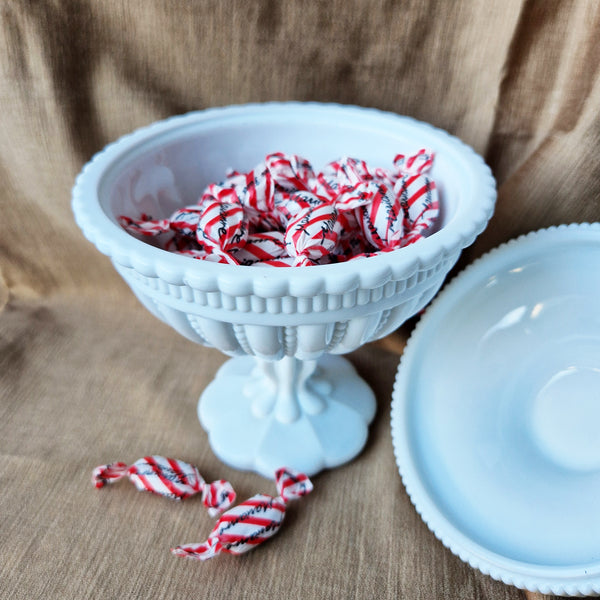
(239, 529)
(283, 213)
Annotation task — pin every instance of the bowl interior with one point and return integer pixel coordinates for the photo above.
(500, 448)
(171, 166)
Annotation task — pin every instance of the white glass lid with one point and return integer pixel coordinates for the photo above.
(496, 412)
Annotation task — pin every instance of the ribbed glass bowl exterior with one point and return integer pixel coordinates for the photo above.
(276, 312)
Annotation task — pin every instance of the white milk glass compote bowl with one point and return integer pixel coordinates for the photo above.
(286, 397)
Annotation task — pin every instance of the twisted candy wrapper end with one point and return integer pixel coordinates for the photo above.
(210, 548)
(252, 522)
(145, 225)
(109, 473)
(292, 484)
(218, 496)
(415, 164)
(168, 477)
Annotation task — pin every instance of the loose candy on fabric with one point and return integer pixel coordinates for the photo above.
(168, 477)
(252, 522)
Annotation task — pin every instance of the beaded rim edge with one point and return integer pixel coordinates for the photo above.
(500, 568)
(130, 252)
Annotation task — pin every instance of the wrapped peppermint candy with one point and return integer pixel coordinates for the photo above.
(312, 234)
(222, 227)
(184, 221)
(381, 220)
(344, 173)
(417, 194)
(145, 225)
(288, 205)
(351, 184)
(254, 190)
(347, 204)
(258, 190)
(414, 164)
(252, 522)
(265, 246)
(349, 209)
(168, 477)
(290, 173)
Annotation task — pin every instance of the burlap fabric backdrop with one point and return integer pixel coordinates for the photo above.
(87, 375)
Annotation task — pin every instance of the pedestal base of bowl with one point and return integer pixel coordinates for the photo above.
(308, 415)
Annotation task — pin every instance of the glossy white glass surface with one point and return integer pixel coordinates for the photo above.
(496, 412)
(280, 325)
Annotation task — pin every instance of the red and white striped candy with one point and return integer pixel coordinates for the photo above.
(420, 203)
(168, 477)
(384, 177)
(341, 176)
(252, 522)
(284, 261)
(257, 196)
(222, 228)
(377, 210)
(288, 205)
(145, 225)
(290, 172)
(417, 193)
(312, 233)
(347, 172)
(361, 194)
(269, 245)
(184, 221)
(200, 254)
(410, 238)
(381, 221)
(255, 190)
(414, 164)
(259, 190)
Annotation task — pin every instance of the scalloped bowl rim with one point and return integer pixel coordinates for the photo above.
(566, 580)
(469, 220)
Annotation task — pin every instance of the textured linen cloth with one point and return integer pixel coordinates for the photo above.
(87, 375)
